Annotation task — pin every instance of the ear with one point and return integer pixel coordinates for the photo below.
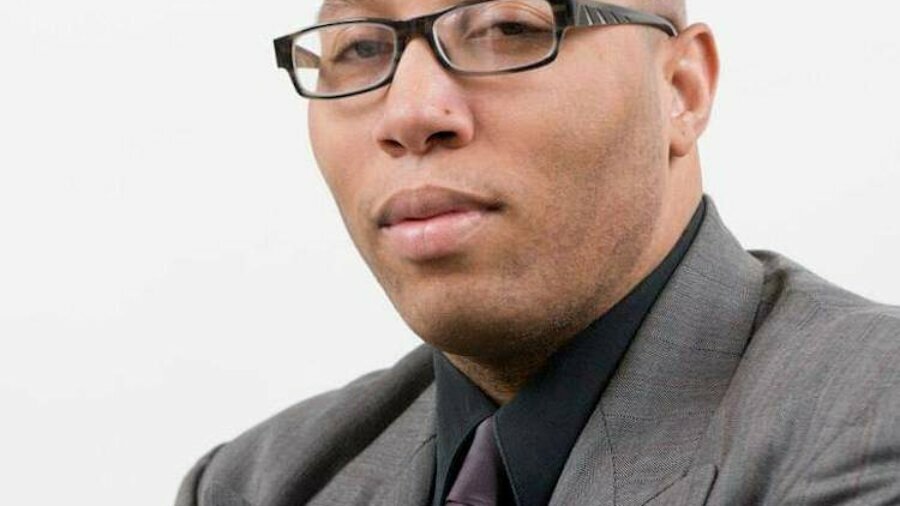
(692, 73)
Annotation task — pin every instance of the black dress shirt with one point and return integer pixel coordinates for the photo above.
(537, 429)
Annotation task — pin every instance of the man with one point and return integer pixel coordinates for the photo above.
(522, 177)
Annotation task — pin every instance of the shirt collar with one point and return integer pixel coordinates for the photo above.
(538, 428)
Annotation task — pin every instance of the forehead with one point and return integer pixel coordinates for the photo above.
(397, 9)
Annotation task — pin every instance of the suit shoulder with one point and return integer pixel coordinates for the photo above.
(314, 436)
(796, 297)
(818, 389)
(843, 341)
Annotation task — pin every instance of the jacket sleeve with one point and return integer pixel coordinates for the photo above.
(189, 491)
(855, 457)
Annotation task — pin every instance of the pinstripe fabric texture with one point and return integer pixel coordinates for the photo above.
(752, 381)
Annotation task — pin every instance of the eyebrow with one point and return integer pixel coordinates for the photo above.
(331, 7)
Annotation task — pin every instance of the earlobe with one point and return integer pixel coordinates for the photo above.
(692, 71)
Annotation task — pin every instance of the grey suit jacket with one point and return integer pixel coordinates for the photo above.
(751, 381)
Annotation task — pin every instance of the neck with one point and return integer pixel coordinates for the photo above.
(502, 377)
(500, 381)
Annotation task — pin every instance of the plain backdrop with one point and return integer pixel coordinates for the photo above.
(174, 270)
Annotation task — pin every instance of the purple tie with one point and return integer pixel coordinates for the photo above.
(478, 481)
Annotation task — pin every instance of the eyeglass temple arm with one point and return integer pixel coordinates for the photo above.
(590, 12)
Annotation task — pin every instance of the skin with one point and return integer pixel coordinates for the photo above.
(597, 172)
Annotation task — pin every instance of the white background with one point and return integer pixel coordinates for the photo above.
(173, 269)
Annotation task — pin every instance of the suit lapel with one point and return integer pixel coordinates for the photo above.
(413, 485)
(644, 433)
(587, 477)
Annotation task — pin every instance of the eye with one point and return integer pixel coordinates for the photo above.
(510, 28)
(357, 43)
(363, 50)
(507, 23)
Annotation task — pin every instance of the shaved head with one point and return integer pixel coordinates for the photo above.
(673, 10)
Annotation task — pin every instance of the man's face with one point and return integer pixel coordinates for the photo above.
(572, 157)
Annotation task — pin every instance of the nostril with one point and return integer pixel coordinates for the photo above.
(442, 137)
(392, 147)
(395, 147)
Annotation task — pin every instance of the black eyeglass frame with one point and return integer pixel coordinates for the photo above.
(566, 13)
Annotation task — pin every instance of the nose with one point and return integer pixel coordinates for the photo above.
(425, 108)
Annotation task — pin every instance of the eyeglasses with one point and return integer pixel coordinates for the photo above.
(482, 37)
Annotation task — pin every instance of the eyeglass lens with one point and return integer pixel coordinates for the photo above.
(494, 36)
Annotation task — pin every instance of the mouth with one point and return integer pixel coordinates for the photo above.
(429, 223)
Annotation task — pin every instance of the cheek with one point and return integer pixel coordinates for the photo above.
(569, 160)
(587, 166)
(337, 149)
(328, 139)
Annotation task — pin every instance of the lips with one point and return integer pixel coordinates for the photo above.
(432, 222)
(430, 202)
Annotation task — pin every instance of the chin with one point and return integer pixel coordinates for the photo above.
(479, 328)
